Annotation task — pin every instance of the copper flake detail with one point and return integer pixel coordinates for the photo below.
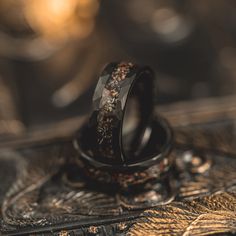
(106, 116)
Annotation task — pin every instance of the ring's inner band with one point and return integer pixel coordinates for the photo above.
(137, 114)
(130, 123)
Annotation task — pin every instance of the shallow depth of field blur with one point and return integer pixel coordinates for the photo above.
(51, 53)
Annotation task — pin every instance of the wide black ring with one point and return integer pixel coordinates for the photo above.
(118, 84)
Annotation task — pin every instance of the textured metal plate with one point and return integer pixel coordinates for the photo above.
(38, 199)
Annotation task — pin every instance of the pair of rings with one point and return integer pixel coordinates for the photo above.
(123, 134)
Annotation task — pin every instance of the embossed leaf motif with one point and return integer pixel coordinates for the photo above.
(203, 216)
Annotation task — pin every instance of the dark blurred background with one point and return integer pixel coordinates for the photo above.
(51, 52)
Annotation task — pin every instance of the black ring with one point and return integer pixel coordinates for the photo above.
(118, 84)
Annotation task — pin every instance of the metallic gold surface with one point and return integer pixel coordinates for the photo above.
(41, 196)
(204, 216)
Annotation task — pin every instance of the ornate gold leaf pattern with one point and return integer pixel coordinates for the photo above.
(203, 216)
(205, 203)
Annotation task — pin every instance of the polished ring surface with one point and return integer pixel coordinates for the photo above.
(101, 140)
